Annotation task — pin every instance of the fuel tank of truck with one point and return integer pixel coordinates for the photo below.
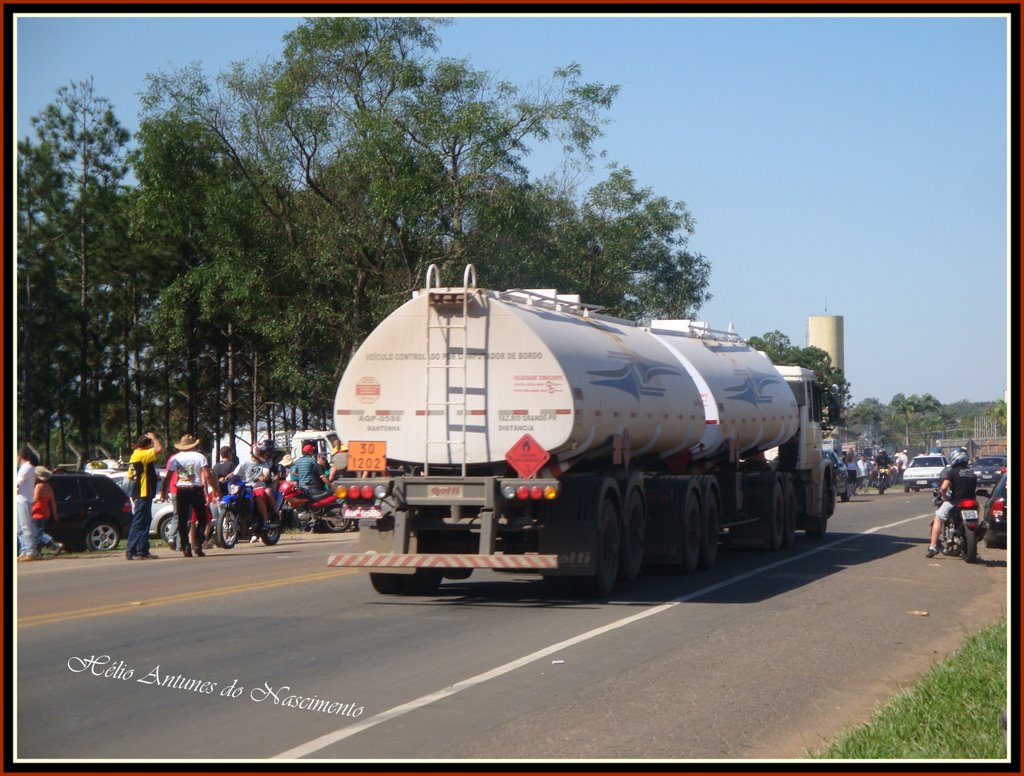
(456, 374)
(747, 403)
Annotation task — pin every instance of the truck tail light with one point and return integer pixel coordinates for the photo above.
(527, 491)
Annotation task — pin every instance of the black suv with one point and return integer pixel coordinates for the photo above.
(94, 513)
(840, 475)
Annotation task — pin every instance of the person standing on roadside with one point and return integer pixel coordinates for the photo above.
(193, 480)
(224, 467)
(44, 506)
(863, 471)
(339, 461)
(143, 476)
(27, 547)
(851, 471)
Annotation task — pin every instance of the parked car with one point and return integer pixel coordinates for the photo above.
(988, 469)
(840, 475)
(163, 511)
(95, 514)
(996, 513)
(925, 471)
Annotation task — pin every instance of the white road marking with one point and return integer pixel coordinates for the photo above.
(397, 711)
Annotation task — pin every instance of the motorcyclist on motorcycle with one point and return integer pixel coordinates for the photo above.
(881, 462)
(257, 472)
(963, 484)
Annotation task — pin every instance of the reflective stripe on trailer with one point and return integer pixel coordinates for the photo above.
(453, 561)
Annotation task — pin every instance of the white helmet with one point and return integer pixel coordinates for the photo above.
(958, 458)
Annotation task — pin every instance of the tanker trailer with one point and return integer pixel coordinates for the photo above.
(524, 431)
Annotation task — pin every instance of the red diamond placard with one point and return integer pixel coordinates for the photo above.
(527, 456)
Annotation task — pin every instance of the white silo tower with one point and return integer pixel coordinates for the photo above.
(826, 332)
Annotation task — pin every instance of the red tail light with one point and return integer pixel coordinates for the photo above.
(536, 492)
(367, 491)
(522, 493)
(968, 504)
(998, 507)
(127, 508)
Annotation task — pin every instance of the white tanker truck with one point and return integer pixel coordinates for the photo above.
(523, 431)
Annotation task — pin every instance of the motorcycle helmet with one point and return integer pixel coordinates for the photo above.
(958, 458)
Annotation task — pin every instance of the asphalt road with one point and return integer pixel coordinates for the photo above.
(260, 653)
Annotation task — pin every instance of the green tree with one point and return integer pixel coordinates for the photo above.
(372, 161)
(43, 326)
(774, 344)
(905, 408)
(88, 146)
(866, 417)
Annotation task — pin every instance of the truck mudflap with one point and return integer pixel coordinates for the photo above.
(389, 560)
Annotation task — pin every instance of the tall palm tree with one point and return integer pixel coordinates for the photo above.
(928, 407)
(901, 405)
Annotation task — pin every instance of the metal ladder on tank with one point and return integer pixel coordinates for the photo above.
(442, 306)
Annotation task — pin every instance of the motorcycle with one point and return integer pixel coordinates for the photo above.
(238, 518)
(962, 530)
(313, 514)
(882, 479)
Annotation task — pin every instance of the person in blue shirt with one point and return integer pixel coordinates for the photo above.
(307, 472)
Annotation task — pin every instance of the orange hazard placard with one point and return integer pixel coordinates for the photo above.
(367, 456)
(527, 456)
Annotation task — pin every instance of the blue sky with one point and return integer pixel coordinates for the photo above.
(852, 166)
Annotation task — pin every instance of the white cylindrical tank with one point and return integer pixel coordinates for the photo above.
(432, 383)
(826, 332)
(746, 401)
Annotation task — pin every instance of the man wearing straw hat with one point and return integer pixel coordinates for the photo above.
(193, 480)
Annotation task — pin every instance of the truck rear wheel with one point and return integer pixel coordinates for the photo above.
(634, 532)
(388, 584)
(709, 529)
(789, 514)
(602, 582)
(773, 520)
(818, 525)
(691, 533)
(424, 582)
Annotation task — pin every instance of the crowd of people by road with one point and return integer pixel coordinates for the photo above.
(191, 485)
(863, 470)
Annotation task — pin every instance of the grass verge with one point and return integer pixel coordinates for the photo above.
(952, 713)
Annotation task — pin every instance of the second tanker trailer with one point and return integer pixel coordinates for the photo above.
(524, 431)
